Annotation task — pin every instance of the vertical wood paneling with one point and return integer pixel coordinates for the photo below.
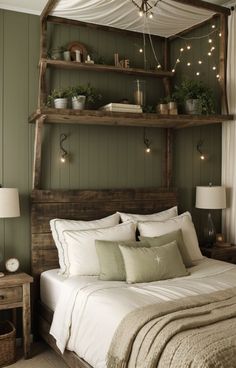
(1, 128)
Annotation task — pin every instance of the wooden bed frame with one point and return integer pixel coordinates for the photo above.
(83, 205)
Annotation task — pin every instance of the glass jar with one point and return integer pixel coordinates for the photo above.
(139, 92)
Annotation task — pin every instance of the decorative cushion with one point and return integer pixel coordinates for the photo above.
(159, 216)
(183, 222)
(111, 262)
(152, 264)
(82, 255)
(158, 241)
(60, 225)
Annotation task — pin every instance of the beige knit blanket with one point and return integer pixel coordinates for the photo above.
(196, 332)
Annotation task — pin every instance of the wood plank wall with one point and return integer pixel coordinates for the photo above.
(102, 157)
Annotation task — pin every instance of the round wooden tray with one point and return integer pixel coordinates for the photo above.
(73, 46)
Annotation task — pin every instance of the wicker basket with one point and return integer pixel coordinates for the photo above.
(7, 343)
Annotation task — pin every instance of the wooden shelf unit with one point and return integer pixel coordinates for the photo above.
(61, 64)
(99, 117)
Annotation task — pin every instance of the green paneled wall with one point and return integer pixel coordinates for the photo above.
(100, 157)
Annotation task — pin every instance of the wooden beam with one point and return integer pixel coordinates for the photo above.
(48, 8)
(42, 90)
(169, 158)
(223, 62)
(38, 151)
(166, 81)
(205, 5)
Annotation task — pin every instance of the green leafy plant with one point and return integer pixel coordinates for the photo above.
(57, 93)
(91, 93)
(191, 89)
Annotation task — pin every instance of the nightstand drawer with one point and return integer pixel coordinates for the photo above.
(10, 295)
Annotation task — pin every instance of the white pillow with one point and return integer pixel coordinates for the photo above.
(159, 216)
(60, 225)
(183, 222)
(82, 255)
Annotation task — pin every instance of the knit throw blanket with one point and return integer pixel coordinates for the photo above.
(196, 332)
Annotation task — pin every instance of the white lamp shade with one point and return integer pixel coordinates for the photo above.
(211, 197)
(9, 202)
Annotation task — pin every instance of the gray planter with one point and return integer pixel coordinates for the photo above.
(193, 107)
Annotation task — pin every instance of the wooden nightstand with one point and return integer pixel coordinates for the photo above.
(227, 254)
(14, 293)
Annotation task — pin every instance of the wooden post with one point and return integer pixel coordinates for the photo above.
(223, 62)
(169, 158)
(166, 81)
(38, 151)
(42, 90)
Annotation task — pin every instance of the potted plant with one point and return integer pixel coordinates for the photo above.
(58, 98)
(162, 107)
(172, 104)
(195, 97)
(83, 94)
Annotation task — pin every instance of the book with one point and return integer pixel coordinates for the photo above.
(119, 107)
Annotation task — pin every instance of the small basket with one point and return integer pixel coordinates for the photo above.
(7, 343)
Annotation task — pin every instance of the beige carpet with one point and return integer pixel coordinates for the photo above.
(42, 357)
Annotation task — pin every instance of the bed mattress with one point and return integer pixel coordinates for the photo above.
(51, 283)
(88, 311)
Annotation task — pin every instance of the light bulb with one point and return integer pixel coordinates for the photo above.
(173, 70)
(214, 67)
(148, 150)
(210, 40)
(188, 47)
(188, 64)
(140, 13)
(218, 76)
(213, 48)
(209, 53)
(177, 61)
(150, 16)
(63, 159)
(159, 66)
(198, 73)
(213, 26)
(182, 49)
(199, 61)
(220, 34)
(202, 157)
(141, 50)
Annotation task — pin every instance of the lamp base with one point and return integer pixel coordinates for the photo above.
(2, 274)
(209, 232)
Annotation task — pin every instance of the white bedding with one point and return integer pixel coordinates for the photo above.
(89, 310)
(51, 283)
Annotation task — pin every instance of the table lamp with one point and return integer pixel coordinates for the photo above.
(210, 198)
(9, 205)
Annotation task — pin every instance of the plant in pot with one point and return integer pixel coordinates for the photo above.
(162, 107)
(58, 98)
(195, 97)
(172, 104)
(81, 95)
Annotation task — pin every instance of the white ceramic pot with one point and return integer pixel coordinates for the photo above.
(60, 103)
(193, 107)
(78, 102)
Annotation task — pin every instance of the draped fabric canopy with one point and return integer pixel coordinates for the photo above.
(169, 17)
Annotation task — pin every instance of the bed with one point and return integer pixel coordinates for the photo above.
(90, 334)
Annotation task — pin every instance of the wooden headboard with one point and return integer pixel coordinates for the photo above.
(85, 205)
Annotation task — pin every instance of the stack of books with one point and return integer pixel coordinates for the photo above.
(122, 107)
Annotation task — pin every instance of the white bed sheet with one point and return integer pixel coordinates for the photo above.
(51, 283)
(89, 310)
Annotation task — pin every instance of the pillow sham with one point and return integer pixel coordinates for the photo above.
(183, 222)
(159, 216)
(82, 255)
(158, 241)
(60, 225)
(152, 264)
(110, 259)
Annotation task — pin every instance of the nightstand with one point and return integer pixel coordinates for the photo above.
(227, 254)
(15, 293)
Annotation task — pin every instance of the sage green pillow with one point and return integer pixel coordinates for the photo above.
(152, 264)
(111, 262)
(177, 235)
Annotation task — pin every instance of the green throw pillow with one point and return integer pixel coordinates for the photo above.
(111, 262)
(158, 241)
(152, 264)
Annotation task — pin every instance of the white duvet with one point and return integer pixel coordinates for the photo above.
(89, 310)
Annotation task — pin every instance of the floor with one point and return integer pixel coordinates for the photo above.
(42, 357)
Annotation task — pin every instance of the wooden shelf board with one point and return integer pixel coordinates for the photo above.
(61, 64)
(97, 117)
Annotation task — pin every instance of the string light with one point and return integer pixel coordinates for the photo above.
(188, 64)
(141, 50)
(173, 70)
(188, 47)
(150, 16)
(220, 34)
(213, 48)
(199, 61)
(182, 49)
(177, 60)
(217, 76)
(159, 66)
(197, 74)
(64, 154)
(214, 67)
(209, 53)
(147, 142)
(210, 40)
(213, 26)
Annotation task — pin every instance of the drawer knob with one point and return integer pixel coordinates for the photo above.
(1, 297)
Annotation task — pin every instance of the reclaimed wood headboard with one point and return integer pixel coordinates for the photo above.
(85, 205)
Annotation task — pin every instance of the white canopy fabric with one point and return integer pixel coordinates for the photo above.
(169, 17)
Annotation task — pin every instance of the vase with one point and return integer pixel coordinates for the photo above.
(140, 92)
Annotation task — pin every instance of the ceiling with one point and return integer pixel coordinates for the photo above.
(36, 6)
